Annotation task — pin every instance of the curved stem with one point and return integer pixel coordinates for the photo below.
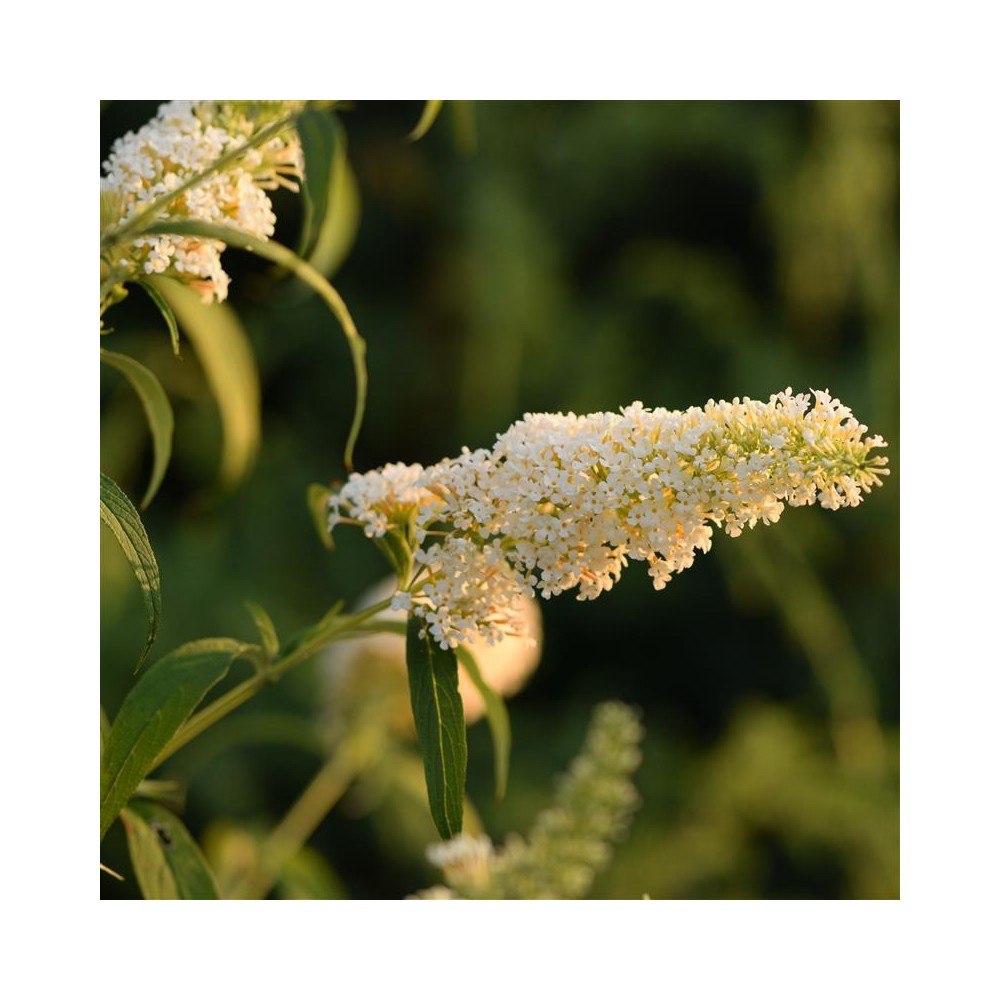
(313, 640)
(281, 255)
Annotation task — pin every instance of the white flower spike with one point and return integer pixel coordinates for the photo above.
(184, 139)
(564, 501)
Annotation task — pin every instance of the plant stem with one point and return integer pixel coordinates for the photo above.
(306, 814)
(282, 256)
(313, 640)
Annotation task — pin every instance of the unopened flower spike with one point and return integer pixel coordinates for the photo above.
(564, 501)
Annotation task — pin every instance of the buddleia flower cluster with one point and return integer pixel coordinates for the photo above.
(185, 139)
(564, 502)
(571, 841)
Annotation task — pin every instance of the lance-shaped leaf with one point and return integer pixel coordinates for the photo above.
(153, 711)
(339, 228)
(167, 862)
(281, 255)
(440, 725)
(496, 717)
(158, 412)
(118, 513)
(224, 350)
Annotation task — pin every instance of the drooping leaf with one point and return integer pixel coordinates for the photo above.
(339, 228)
(268, 635)
(318, 501)
(153, 711)
(440, 725)
(166, 312)
(227, 359)
(318, 135)
(118, 513)
(427, 118)
(496, 717)
(281, 255)
(168, 863)
(158, 412)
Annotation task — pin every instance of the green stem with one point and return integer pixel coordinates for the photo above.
(306, 814)
(281, 255)
(312, 641)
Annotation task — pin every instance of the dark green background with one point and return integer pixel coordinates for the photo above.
(584, 256)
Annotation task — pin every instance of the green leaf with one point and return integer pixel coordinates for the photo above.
(168, 314)
(440, 724)
(339, 228)
(281, 255)
(427, 118)
(122, 518)
(105, 729)
(158, 412)
(152, 713)
(318, 501)
(318, 135)
(168, 863)
(223, 348)
(268, 635)
(496, 717)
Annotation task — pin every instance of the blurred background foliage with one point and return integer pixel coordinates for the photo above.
(553, 256)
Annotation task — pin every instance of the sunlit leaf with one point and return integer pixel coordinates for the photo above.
(168, 863)
(158, 412)
(168, 314)
(440, 725)
(153, 711)
(339, 228)
(496, 717)
(118, 513)
(226, 357)
(427, 118)
(281, 255)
